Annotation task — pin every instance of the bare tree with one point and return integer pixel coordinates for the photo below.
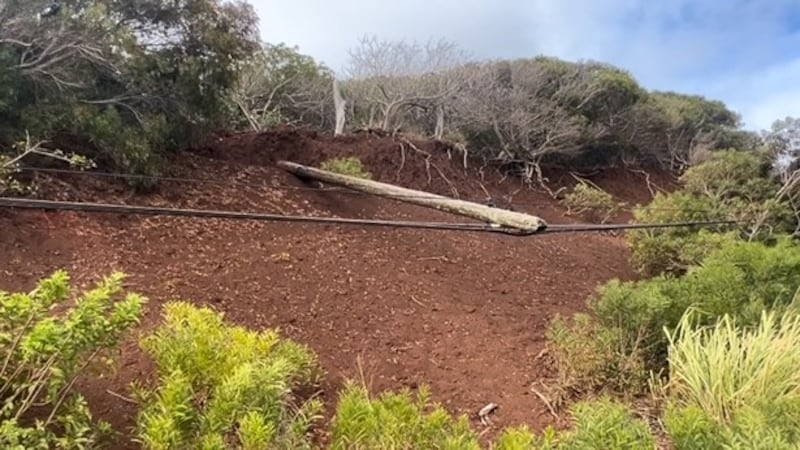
(522, 112)
(281, 85)
(388, 80)
(784, 142)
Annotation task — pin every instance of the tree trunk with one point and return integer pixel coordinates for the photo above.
(340, 104)
(438, 133)
(484, 213)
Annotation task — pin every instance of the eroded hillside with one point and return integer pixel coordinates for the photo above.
(465, 313)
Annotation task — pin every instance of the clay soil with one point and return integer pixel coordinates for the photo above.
(464, 313)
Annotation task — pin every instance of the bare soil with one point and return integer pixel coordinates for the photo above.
(464, 313)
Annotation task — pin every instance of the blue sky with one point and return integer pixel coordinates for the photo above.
(743, 52)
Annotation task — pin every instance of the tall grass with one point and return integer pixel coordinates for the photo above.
(744, 381)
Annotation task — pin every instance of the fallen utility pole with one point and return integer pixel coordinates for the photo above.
(501, 217)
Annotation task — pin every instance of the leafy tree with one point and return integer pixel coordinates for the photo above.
(110, 72)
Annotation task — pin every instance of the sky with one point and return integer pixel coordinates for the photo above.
(743, 52)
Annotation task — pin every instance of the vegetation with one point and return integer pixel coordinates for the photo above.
(121, 84)
(623, 340)
(735, 388)
(593, 203)
(713, 329)
(731, 186)
(225, 387)
(396, 421)
(350, 166)
(46, 343)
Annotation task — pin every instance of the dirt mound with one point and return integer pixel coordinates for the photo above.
(465, 313)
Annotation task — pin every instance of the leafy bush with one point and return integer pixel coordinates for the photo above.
(350, 166)
(593, 358)
(521, 438)
(628, 320)
(45, 344)
(597, 424)
(594, 204)
(736, 386)
(732, 185)
(606, 424)
(601, 423)
(396, 421)
(222, 385)
(674, 250)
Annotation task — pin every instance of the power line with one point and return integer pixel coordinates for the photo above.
(202, 181)
(198, 213)
(335, 190)
(235, 215)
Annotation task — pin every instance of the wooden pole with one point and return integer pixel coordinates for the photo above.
(520, 221)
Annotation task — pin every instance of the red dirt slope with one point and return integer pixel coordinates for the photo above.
(465, 313)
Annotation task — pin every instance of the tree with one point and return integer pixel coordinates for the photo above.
(111, 72)
(526, 112)
(668, 130)
(392, 80)
(280, 85)
(783, 140)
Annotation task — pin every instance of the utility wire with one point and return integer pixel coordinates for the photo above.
(336, 190)
(212, 214)
(198, 213)
(204, 181)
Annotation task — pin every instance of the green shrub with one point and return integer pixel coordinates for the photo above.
(45, 344)
(732, 174)
(736, 385)
(396, 421)
(628, 318)
(223, 386)
(674, 250)
(593, 358)
(594, 204)
(598, 424)
(521, 438)
(606, 424)
(350, 166)
(732, 185)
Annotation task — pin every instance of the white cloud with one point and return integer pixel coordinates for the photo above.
(737, 51)
(763, 95)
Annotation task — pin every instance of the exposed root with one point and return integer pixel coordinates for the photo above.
(546, 402)
(581, 179)
(650, 184)
(532, 169)
(402, 161)
(429, 164)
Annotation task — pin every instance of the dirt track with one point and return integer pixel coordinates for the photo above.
(464, 313)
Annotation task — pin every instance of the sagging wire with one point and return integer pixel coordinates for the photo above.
(22, 203)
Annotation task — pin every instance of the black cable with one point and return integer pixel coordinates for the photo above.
(203, 181)
(197, 213)
(570, 228)
(261, 185)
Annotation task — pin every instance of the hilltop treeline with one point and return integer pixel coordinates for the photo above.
(129, 81)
